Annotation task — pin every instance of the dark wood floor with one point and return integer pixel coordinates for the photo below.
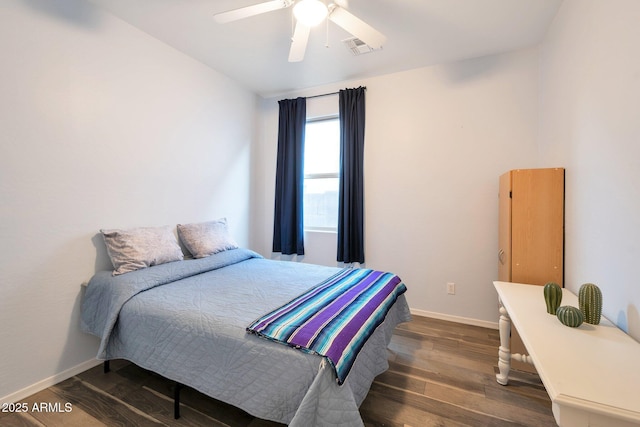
(441, 374)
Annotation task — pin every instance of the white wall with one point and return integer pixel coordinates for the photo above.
(590, 123)
(100, 126)
(437, 138)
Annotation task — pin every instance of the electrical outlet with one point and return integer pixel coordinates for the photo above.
(451, 288)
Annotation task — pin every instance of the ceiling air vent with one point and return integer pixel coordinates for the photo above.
(357, 46)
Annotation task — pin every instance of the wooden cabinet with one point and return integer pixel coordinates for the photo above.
(531, 231)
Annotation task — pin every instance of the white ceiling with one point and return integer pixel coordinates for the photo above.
(254, 51)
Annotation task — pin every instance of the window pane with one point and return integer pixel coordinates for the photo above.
(321, 203)
(322, 147)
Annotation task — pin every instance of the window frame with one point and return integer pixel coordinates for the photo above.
(325, 175)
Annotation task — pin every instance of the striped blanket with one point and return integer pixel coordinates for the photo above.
(335, 318)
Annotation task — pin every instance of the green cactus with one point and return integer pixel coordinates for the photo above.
(552, 296)
(590, 301)
(570, 316)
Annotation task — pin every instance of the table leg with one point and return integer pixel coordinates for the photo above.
(504, 352)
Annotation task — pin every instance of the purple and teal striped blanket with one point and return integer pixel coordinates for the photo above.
(335, 318)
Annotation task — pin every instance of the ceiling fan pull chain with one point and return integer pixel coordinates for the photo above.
(326, 23)
(293, 24)
(326, 41)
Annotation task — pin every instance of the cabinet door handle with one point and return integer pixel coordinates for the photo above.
(501, 256)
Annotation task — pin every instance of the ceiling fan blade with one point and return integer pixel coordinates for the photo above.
(256, 9)
(299, 42)
(357, 27)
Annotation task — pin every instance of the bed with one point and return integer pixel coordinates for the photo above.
(187, 321)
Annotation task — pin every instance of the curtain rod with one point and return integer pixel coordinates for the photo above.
(322, 94)
(328, 94)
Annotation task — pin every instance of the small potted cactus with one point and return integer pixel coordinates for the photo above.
(590, 301)
(570, 316)
(552, 296)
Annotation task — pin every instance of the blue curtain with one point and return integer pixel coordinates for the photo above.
(288, 228)
(351, 191)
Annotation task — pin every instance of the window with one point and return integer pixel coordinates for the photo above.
(321, 173)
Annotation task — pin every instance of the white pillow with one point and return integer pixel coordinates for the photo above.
(142, 247)
(206, 238)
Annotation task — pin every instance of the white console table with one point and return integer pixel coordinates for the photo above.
(591, 373)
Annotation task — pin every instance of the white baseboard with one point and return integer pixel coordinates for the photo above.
(48, 382)
(457, 319)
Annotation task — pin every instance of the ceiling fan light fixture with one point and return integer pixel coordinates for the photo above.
(310, 12)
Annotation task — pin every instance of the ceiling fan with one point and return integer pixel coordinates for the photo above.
(309, 13)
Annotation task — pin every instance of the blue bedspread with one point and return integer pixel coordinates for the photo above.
(187, 321)
(106, 294)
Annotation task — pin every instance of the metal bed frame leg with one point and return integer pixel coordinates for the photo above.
(176, 392)
(176, 400)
